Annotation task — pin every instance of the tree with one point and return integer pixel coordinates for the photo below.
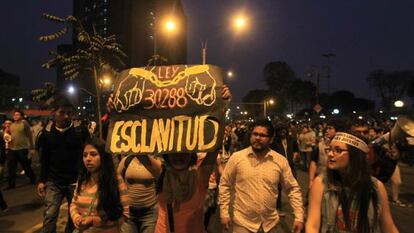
(278, 74)
(346, 102)
(390, 86)
(278, 77)
(95, 55)
(301, 93)
(45, 95)
(253, 101)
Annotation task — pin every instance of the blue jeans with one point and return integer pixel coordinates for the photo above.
(141, 220)
(53, 200)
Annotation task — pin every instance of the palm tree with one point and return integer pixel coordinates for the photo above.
(45, 95)
(95, 55)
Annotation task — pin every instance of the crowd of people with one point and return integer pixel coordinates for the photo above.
(242, 180)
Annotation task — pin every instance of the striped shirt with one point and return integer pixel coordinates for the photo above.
(255, 182)
(82, 201)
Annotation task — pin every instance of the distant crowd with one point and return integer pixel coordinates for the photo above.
(347, 163)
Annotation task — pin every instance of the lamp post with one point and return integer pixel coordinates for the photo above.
(239, 24)
(265, 103)
(71, 90)
(328, 56)
(399, 104)
(169, 26)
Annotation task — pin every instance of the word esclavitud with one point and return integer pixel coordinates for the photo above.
(177, 134)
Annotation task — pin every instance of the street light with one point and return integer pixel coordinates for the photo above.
(170, 25)
(106, 80)
(230, 74)
(265, 103)
(238, 23)
(71, 90)
(399, 104)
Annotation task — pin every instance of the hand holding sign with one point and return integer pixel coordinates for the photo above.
(201, 90)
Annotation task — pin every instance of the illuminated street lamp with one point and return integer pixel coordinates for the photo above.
(106, 81)
(399, 104)
(230, 74)
(170, 25)
(71, 90)
(265, 103)
(239, 23)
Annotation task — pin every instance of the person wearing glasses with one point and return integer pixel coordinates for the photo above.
(319, 157)
(346, 198)
(254, 173)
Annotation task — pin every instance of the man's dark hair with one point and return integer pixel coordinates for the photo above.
(61, 102)
(267, 124)
(280, 126)
(19, 111)
(338, 123)
(358, 123)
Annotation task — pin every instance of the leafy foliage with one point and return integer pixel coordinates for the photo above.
(253, 101)
(44, 95)
(94, 55)
(95, 51)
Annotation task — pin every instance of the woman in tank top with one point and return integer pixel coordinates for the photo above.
(346, 198)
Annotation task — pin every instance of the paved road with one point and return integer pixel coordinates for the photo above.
(25, 209)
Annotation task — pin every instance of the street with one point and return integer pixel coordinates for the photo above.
(25, 208)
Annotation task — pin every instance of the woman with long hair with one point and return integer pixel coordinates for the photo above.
(98, 205)
(347, 198)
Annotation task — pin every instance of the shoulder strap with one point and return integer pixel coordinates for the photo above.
(160, 181)
(128, 160)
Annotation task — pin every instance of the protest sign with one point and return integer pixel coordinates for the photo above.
(167, 109)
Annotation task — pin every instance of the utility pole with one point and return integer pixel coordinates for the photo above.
(204, 51)
(315, 73)
(328, 76)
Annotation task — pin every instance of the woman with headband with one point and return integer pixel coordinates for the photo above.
(346, 198)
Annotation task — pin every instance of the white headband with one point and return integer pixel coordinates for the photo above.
(351, 140)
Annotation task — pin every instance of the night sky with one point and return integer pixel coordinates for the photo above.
(364, 34)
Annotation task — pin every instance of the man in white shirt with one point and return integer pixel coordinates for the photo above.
(254, 173)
